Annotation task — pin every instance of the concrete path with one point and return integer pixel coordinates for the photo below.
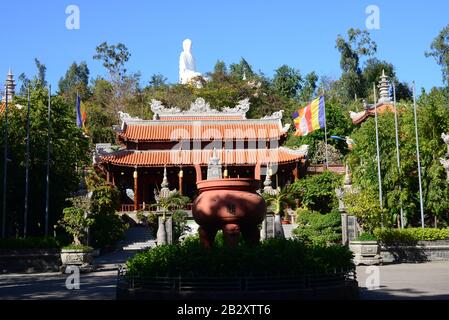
(428, 281)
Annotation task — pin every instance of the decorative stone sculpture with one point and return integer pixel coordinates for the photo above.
(165, 222)
(445, 162)
(445, 138)
(214, 167)
(199, 107)
(187, 67)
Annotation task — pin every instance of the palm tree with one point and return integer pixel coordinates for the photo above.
(277, 203)
(174, 201)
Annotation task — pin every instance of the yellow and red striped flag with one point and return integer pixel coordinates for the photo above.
(310, 118)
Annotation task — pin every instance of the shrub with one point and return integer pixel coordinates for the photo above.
(31, 243)
(410, 235)
(318, 192)
(152, 221)
(271, 258)
(75, 222)
(314, 227)
(367, 237)
(78, 247)
(179, 224)
(365, 206)
(107, 227)
(140, 216)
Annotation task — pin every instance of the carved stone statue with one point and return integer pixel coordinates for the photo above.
(445, 164)
(187, 67)
(445, 138)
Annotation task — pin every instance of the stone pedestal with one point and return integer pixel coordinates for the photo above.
(366, 252)
(165, 229)
(350, 229)
(267, 230)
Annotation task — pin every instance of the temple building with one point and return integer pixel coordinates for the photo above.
(383, 104)
(174, 141)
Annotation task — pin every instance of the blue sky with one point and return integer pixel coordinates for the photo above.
(266, 33)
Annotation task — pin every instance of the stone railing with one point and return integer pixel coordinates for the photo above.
(422, 251)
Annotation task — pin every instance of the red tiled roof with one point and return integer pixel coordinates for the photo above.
(203, 130)
(371, 112)
(198, 118)
(157, 158)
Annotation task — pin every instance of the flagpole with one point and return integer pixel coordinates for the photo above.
(27, 168)
(5, 165)
(47, 193)
(398, 155)
(418, 157)
(378, 149)
(325, 132)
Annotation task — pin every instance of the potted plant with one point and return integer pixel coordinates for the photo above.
(365, 206)
(366, 250)
(76, 222)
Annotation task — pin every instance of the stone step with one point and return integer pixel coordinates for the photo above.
(140, 245)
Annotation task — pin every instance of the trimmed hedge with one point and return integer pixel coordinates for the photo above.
(317, 228)
(271, 258)
(410, 235)
(30, 243)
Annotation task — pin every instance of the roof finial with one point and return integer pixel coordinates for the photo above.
(164, 183)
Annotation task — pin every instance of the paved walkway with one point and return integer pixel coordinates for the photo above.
(406, 281)
(399, 281)
(98, 285)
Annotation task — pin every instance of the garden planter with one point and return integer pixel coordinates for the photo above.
(76, 256)
(366, 252)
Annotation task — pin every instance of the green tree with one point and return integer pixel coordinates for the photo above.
(158, 81)
(440, 52)
(358, 44)
(317, 192)
(124, 86)
(365, 206)
(309, 87)
(41, 72)
(243, 68)
(402, 189)
(107, 227)
(75, 81)
(69, 151)
(287, 81)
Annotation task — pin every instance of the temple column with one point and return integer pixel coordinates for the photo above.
(136, 190)
(181, 176)
(296, 171)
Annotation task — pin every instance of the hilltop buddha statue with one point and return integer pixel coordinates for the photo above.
(187, 68)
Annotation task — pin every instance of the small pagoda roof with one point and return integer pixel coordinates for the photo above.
(160, 158)
(370, 110)
(384, 104)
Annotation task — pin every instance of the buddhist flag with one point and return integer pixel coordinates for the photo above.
(81, 114)
(310, 118)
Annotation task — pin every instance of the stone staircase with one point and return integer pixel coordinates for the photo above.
(138, 239)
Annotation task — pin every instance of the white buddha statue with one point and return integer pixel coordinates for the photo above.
(187, 68)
